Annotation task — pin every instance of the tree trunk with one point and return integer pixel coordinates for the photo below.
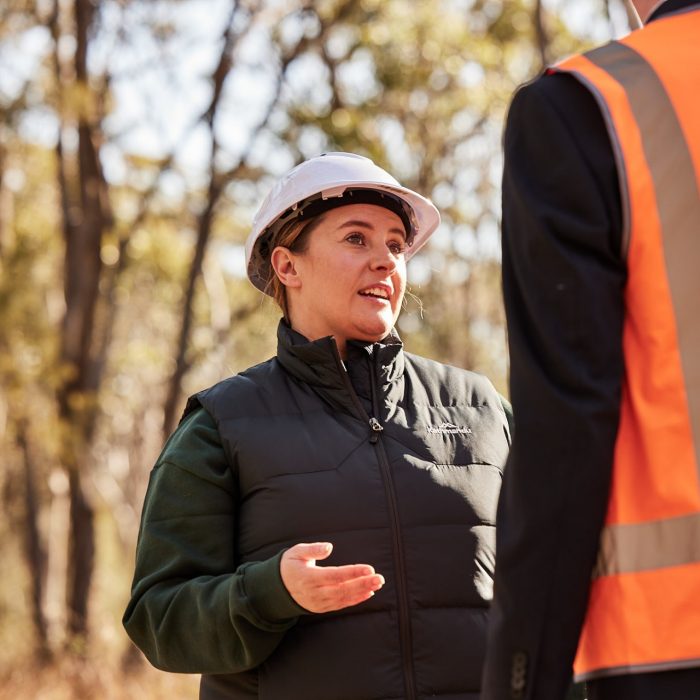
(34, 550)
(81, 557)
(3, 198)
(85, 220)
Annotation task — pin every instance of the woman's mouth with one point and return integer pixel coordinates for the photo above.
(379, 292)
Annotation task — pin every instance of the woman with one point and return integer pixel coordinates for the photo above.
(342, 449)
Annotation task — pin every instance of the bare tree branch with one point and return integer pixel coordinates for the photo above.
(217, 184)
(541, 34)
(606, 12)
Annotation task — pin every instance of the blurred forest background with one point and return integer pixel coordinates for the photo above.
(137, 138)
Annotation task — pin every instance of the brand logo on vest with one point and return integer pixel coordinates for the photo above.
(449, 429)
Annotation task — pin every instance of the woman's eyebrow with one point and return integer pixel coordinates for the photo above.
(358, 223)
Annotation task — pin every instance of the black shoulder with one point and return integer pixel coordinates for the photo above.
(448, 385)
(557, 97)
(241, 392)
(558, 152)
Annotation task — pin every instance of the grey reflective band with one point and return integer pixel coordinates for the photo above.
(675, 665)
(678, 202)
(617, 154)
(648, 546)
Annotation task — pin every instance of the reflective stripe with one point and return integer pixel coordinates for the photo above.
(622, 179)
(677, 198)
(675, 665)
(646, 546)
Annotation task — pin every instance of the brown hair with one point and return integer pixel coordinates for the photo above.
(294, 235)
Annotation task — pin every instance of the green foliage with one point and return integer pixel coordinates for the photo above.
(30, 297)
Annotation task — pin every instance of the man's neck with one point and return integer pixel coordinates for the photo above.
(645, 8)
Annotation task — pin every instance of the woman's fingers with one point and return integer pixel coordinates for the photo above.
(344, 595)
(325, 588)
(328, 575)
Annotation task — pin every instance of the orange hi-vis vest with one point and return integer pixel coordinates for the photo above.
(644, 606)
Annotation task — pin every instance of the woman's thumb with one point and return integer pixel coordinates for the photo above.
(314, 550)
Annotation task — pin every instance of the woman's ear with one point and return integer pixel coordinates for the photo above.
(283, 262)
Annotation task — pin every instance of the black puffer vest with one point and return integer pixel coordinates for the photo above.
(396, 461)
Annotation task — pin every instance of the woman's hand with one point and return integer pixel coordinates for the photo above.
(321, 589)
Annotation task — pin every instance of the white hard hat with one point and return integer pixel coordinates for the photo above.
(345, 176)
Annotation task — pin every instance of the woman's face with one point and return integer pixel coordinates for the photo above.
(350, 280)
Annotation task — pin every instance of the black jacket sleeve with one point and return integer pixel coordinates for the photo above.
(563, 280)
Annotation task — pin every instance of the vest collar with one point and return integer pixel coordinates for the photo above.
(671, 6)
(318, 364)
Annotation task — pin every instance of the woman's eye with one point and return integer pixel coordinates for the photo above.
(356, 238)
(396, 247)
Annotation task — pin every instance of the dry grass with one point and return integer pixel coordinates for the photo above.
(70, 678)
(107, 667)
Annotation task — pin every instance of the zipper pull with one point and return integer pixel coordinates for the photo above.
(376, 427)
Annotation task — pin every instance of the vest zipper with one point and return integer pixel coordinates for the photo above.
(401, 586)
(376, 429)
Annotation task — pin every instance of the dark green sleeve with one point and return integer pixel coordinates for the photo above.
(192, 610)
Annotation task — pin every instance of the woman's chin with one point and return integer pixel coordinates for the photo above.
(373, 331)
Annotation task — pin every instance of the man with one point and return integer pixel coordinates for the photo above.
(598, 545)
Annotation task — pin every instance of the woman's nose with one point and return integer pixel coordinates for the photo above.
(383, 259)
